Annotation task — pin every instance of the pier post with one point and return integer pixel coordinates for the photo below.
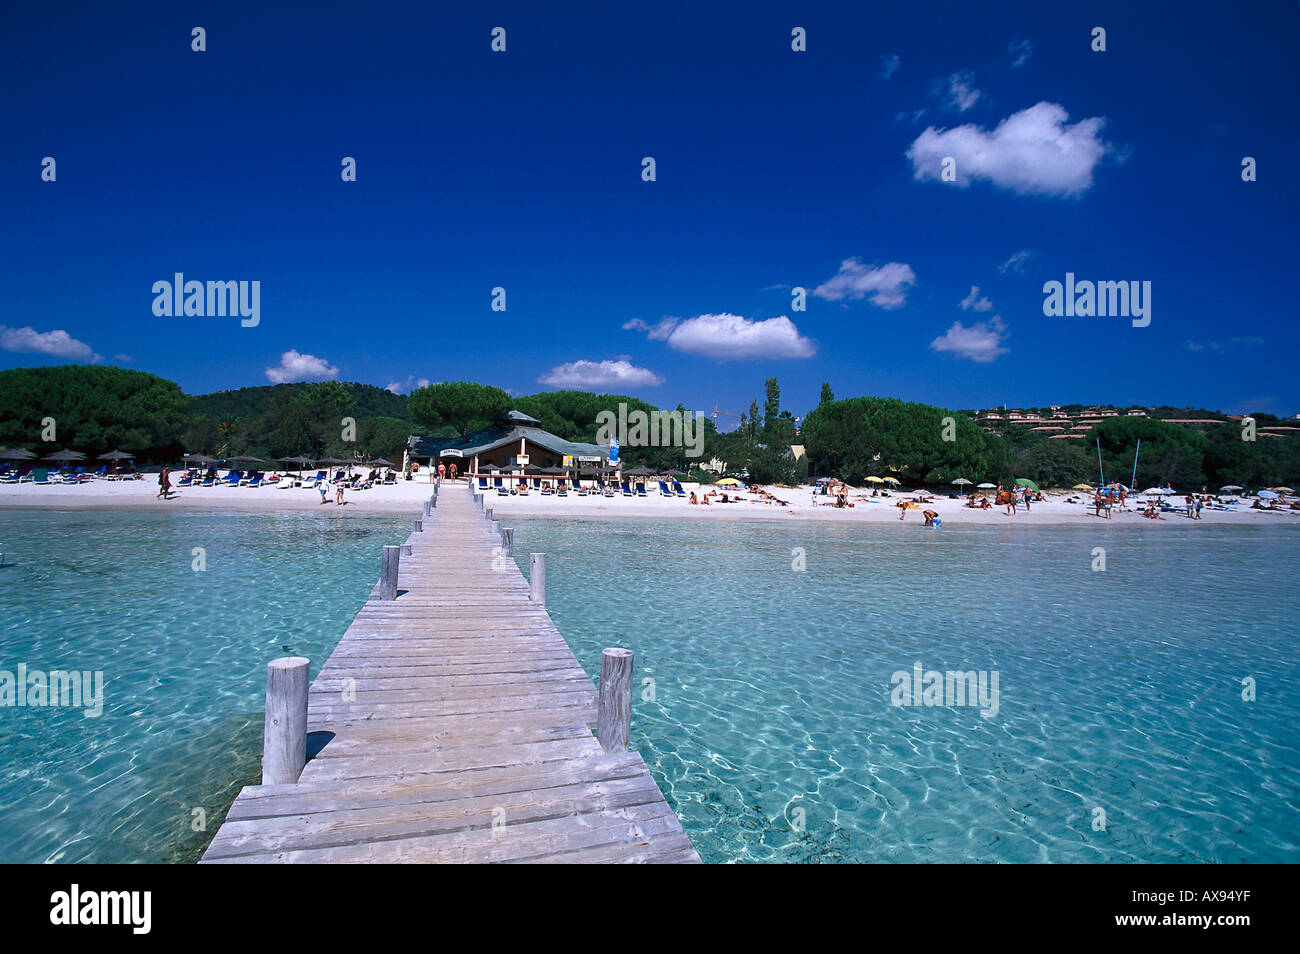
(388, 573)
(406, 549)
(417, 526)
(614, 710)
(488, 513)
(508, 541)
(428, 504)
(433, 502)
(284, 739)
(537, 578)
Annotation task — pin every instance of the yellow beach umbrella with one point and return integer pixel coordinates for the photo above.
(873, 479)
(1084, 487)
(891, 480)
(1284, 490)
(727, 481)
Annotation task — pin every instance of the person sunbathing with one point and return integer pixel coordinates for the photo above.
(693, 500)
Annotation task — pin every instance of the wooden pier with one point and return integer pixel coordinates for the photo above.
(451, 724)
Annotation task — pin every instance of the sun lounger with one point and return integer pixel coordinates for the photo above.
(627, 489)
(640, 489)
(186, 480)
(547, 491)
(677, 488)
(581, 490)
(40, 476)
(254, 479)
(608, 490)
(18, 476)
(482, 483)
(232, 478)
(663, 489)
(523, 488)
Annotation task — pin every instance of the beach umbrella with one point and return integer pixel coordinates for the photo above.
(1284, 490)
(67, 455)
(827, 480)
(200, 459)
(727, 482)
(674, 473)
(1161, 491)
(379, 462)
(1026, 482)
(552, 470)
(987, 486)
(639, 472)
(1232, 487)
(246, 460)
(1266, 494)
(961, 481)
(873, 479)
(16, 453)
(1083, 487)
(117, 455)
(892, 480)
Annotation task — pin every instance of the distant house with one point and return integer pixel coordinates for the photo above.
(506, 444)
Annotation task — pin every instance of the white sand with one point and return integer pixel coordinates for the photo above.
(407, 497)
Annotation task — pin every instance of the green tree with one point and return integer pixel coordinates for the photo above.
(459, 404)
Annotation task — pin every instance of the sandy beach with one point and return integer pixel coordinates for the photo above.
(407, 496)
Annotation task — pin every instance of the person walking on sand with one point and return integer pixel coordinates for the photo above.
(165, 483)
(442, 470)
(1027, 499)
(324, 489)
(451, 471)
(338, 494)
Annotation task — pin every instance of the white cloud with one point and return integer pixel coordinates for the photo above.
(887, 285)
(659, 331)
(1016, 263)
(1020, 51)
(600, 374)
(728, 337)
(1032, 151)
(981, 342)
(410, 384)
(295, 366)
(959, 90)
(975, 302)
(57, 344)
(889, 64)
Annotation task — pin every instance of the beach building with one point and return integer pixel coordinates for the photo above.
(511, 444)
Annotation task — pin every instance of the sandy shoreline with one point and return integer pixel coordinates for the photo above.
(408, 496)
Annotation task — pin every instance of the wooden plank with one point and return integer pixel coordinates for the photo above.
(453, 724)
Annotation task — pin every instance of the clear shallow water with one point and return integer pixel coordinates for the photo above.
(1118, 690)
(183, 654)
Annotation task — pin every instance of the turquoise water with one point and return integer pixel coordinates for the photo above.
(1119, 690)
(183, 654)
(771, 730)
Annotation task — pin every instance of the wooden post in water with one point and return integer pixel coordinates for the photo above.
(388, 573)
(614, 710)
(417, 526)
(508, 541)
(488, 513)
(537, 578)
(284, 739)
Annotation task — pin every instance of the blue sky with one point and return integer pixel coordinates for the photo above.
(775, 169)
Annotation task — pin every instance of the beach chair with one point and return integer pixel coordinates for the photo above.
(627, 489)
(254, 479)
(482, 484)
(664, 491)
(607, 489)
(186, 480)
(640, 489)
(232, 478)
(523, 488)
(677, 488)
(502, 489)
(18, 476)
(580, 490)
(101, 474)
(561, 489)
(546, 489)
(537, 483)
(40, 476)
